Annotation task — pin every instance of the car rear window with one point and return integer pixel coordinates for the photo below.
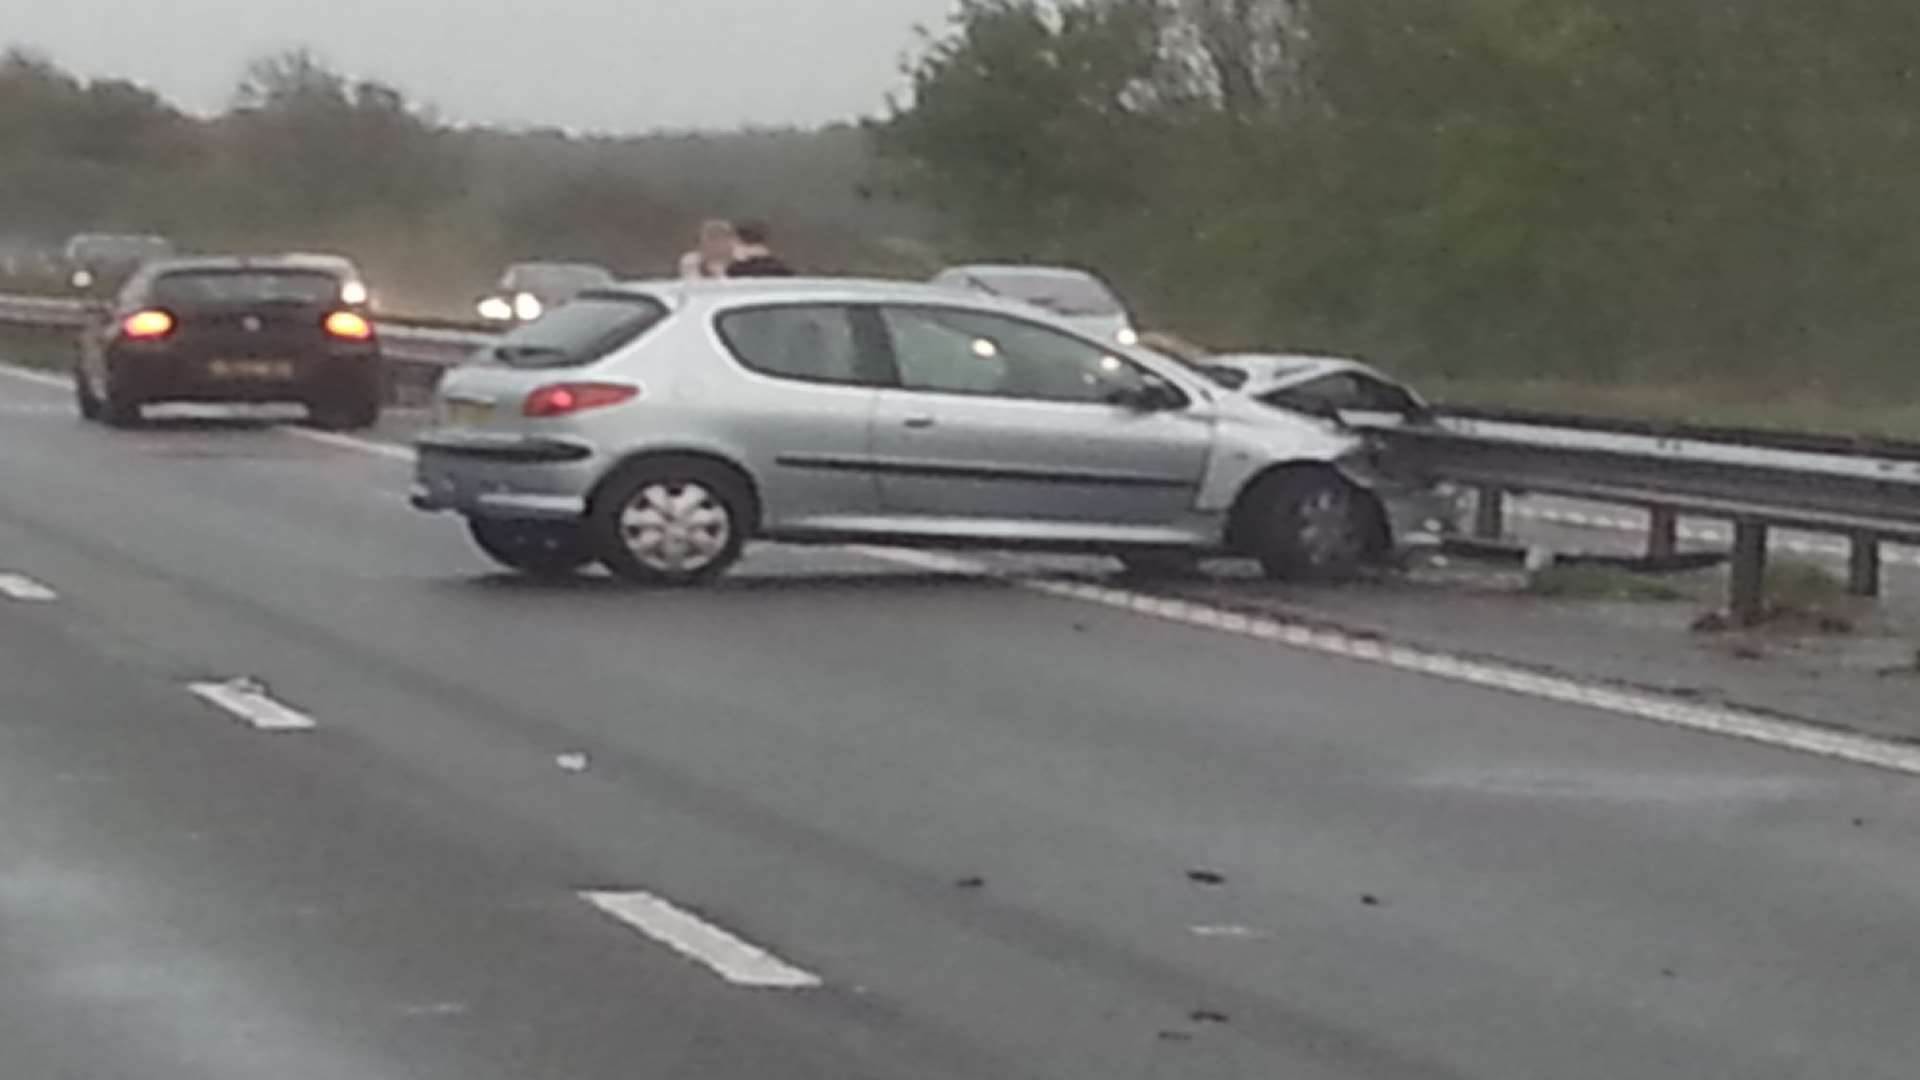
(189, 288)
(581, 332)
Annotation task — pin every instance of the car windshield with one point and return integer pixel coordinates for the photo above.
(581, 332)
(240, 287)
(557, 278)
(1073, 295)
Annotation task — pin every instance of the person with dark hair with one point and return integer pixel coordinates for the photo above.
(754, 257)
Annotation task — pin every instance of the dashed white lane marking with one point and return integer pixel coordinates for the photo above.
(391, 451)
(250, 702)
(739, 962)
(25, 589)
(1656, 708)
(43, 378)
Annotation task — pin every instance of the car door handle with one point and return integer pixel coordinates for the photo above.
(919, 420)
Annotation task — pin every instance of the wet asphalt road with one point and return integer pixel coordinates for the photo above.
(1012, 835)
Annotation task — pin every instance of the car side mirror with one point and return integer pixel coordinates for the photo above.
(1148, 397)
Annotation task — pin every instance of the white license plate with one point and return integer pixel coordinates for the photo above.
(251, 369)
(466, 414)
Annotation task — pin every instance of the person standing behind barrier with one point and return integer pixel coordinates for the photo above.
(715, 253)
(754, 257)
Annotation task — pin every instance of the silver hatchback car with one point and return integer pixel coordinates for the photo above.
(657, 427)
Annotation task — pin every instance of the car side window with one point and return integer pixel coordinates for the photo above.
(949, 350)
(1345, 392)
(807, 342)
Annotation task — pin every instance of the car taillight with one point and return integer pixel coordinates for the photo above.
(346, 324)
(565, 399)
(147, 325)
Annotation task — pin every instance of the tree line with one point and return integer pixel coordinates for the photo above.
(1659, 190)
(306, 157)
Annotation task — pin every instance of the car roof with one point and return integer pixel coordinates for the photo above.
(190, 264)
(1024, 270)
(731, 292)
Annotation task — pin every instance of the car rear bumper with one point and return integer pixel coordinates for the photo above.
(195, 378)
(502, 476)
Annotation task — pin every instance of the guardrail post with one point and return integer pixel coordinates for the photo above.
(1863, 565)
(1747, 598)
(1489, 513)
(1663, 533)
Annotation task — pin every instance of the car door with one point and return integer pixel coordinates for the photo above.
(806, 409)
(996, 417)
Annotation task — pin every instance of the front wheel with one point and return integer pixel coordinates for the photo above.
(670, 522)
(537, 549)
(1307, 526)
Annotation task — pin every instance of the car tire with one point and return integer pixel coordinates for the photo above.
(1308, 525)
(118, 408)
(1160, 565)
(351, 414)
(536, 549)
(671, 522)
(84, 397)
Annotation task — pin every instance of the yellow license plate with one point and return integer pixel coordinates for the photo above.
(251, 369)
(466, 413)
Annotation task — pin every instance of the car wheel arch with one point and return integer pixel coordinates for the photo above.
(1381, 529)
(659, 456)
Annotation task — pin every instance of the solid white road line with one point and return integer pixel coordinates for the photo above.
(1655, 708)
(739, 962)
(1508, 678)
(376, 447)
(250, 702)
(42, 378)
(25, 589)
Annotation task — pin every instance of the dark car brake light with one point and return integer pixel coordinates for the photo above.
(350, 326)
(565, 399)
(149, 325)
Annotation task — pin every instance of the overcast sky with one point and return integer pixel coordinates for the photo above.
(604, 65)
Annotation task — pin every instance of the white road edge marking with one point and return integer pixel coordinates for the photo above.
(25, 589)
(739, 962)
(43, 378)
(391, 451)
(1656, 708)
(249, 701)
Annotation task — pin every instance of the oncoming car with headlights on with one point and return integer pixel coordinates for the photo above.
(657, 427)
(232, 329)
(528, 290)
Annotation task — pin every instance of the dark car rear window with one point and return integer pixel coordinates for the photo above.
(189, 288)
(581, 332)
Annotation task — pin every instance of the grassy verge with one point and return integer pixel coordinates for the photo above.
(1581, 581)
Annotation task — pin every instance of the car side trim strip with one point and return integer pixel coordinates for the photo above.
(879, 467)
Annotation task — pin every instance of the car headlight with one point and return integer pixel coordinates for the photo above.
(494, 309)
(1128, 336)
(82, 279)
(527, 307)
(353, 292)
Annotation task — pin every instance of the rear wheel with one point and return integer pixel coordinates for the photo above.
(83, 395)
(537, 549)
(671, 522)
(354, 407)
(117, 407)
(1308, 526)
